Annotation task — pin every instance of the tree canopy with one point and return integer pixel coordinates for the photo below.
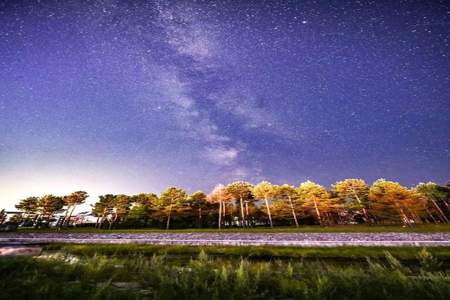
(242, 204)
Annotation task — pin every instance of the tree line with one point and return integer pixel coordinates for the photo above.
(240, 203)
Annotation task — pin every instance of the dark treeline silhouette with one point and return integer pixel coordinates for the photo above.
(240, 203)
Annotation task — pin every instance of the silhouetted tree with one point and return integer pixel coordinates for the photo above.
(71, 201)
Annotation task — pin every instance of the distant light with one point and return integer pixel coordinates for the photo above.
(304, 22)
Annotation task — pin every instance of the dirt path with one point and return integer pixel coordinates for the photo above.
(235, 239)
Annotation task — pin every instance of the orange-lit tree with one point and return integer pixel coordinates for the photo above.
(288, 193)
(314, 197)
(265, 191)
(221, 196)
(354, 194)
(240, 191)
(391, 202)
(437, 197)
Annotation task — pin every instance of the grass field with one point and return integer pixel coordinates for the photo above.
(337, 228)
(136, 272)
(254, 252)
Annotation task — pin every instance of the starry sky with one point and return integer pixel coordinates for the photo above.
(133, 96)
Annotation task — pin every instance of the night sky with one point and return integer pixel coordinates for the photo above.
(133, 96)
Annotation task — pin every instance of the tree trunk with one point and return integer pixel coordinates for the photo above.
(246, 214)
(224, 208)
(327, 219)
(168, 217)
(199, 217)
(224, 211)
(113, 221)
(446, 204)
(70, 215)
(65, 218)
(268, 212)
(430, 214)
(443, 217)
(293, 211)
(220, 215)
(415, 216)
(317, 212)
(242, 211)
(366, 215)
(102, 218)
(35, 220)
(98, 222)
(405, 218)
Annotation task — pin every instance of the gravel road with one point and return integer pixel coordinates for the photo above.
(234, 239)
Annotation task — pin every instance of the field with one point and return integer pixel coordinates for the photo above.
(150, 271)
(347, 254)
(167, 272)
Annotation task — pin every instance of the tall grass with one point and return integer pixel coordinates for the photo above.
(347, 253)
(203, 277)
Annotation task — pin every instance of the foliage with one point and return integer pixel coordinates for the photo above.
(347, 253)
(2, 216)
(173, 198)
(349, 201)
(71, 201)
(28, 206)
(202, 277)
(391, 201)
(316, 198)
(286, 203)
(220, 195)
(241, 191)
(265, 190)
(353, 193)
(437, 197)
(49, 204)
(390, 228)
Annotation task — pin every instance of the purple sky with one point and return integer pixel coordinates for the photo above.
(133, 96)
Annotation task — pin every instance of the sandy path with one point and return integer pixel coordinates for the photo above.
(238, 239)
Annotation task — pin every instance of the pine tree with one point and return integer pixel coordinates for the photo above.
(354, 194)
(265, 190)
(170, 197)
(240, 191)
(315, 197)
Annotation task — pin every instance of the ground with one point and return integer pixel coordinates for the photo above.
(260, 263)
(303, 239)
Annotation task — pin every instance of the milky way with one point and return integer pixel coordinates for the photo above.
(133, 96)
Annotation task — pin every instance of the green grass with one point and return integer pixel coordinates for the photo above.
(251, 252)
(153, 277)
(337, 228)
